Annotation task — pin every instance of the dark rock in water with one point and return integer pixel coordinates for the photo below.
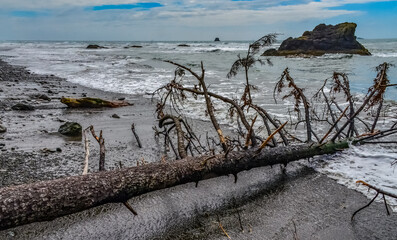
(323, 39)
(94, 46)
(183, 45)
(134, 46)
(3, 129)
(217, 40)
(70, 129)
(22, 107)
(115, 116)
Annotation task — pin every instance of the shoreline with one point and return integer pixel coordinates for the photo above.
(33, 134)
(267, 201)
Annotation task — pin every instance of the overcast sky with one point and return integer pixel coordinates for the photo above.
(188, 19)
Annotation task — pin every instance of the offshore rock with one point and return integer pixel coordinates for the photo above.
(95, 46)
(323, 39)
(217, 40)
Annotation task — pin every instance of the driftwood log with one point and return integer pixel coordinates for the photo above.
(92, 103)
(47, 200)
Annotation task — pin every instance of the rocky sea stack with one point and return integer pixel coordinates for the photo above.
(323, 39)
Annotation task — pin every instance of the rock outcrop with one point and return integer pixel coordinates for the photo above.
(323, 39)
(217, 40)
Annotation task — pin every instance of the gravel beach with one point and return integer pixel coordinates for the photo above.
(263, 204)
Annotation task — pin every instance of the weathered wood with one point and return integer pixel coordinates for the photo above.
(47, 200)
(92, 103)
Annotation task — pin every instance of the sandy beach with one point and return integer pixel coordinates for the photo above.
(267, 202)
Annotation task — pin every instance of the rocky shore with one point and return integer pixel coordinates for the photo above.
(263, 204)
(32, 149)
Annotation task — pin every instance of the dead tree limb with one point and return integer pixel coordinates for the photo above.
(136, 135)
(345, 86)
(299, 97)
(87, 151)
(378, 191)
(263, 145)
(179, 132)
(101, 142)
(210, 108)
(374, 95)
(46, 200)
(333, 126)
(249, 134)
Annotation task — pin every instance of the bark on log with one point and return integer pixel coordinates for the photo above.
(47, 200)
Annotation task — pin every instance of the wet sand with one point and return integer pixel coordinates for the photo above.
(268, 202)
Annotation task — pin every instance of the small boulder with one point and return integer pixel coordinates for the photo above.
(183, 45)
(72, 129)
(217, 40)
(22, 107)
(115, 116)
(44, 97)
(41, 96)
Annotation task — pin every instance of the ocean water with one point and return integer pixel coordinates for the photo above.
(143, 70)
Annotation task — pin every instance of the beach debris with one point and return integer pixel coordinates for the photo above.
(129, 207)
(88, 102)
(378, 191)
(72, 129)
(95, 46)
(22, 107)
(3, 129)
(222, 228)
(101, 142)
(136, 135)
(87, 150)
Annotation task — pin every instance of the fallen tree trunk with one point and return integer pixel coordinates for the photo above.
(47, 200)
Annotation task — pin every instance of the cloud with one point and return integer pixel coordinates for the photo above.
(168, 19)
(144, 5)
(28, 14)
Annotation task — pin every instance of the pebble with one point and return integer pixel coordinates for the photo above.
(3, 129)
